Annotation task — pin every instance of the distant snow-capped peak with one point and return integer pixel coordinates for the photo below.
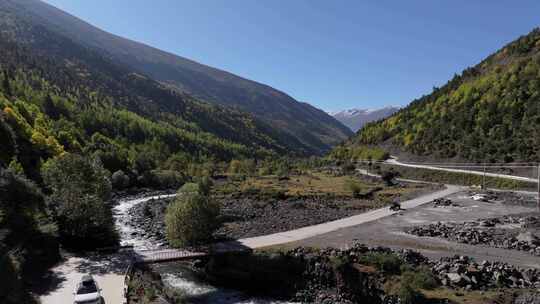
(355, 118)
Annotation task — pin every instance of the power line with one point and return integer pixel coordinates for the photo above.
(463, 165)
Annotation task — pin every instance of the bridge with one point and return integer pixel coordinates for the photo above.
(167, 255)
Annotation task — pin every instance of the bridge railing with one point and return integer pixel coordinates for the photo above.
(127, 279)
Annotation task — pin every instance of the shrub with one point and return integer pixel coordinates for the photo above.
(348, 168)
(79, 189)
(420, 278)
(120, 180)
(385, 262)
(161, 179)
(85, 222)
(76, 172)
(338, 262)
(166, 179)
(205, 184)
(388, 177)
(16, 167)
(409, 295)
(355, 188)
(188, 189)
(191, 218)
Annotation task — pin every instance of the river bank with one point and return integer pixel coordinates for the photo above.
(359, 274)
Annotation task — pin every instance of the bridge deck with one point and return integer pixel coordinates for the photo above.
(164, 255)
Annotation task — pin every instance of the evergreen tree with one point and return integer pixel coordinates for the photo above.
(49, 107)
(6, 86)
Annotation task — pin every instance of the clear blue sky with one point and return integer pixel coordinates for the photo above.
(334, 54)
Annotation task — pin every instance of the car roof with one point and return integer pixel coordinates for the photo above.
(87, 278)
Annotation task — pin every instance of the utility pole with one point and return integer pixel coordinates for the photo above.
(484, 178)
(539, 187)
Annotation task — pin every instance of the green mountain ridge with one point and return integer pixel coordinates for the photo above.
(491, 112)
(58, 96)
(315, 129)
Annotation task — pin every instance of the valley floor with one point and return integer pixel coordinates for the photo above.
(109, 269)
(380, 227)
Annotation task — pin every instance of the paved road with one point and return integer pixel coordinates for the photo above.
(394, 161)
(311, 231)
(108, 272)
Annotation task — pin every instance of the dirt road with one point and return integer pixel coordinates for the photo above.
(311, 231)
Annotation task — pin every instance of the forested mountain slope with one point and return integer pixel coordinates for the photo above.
(315, 129)
(58, 96)
(489, 112)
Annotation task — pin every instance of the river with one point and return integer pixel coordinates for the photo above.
(178, 275)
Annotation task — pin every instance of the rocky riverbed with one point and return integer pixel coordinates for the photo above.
(359, 274)
(517, 232)
(248, 217)
(461, 271)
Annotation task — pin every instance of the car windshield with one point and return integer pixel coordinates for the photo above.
(87, 287)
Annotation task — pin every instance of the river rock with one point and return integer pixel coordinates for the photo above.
(455, 278)
(494, 232)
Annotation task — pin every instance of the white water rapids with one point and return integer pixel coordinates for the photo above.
(177, 275)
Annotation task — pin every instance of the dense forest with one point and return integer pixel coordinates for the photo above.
(299, 124)
(491, 112)
(58, 97)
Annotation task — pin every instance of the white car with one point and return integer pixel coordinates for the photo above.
(87, 291)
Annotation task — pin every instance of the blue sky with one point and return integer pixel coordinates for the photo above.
(334, 54)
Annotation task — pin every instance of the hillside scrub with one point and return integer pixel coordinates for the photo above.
(95, 107)
(358, 153)
(488, 113)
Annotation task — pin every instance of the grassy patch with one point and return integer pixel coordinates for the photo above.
(388, 263)
(309, 184)
(462, 297)
(420, 278)
(315, 184)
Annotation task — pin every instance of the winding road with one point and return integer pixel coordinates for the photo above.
(394, 161)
